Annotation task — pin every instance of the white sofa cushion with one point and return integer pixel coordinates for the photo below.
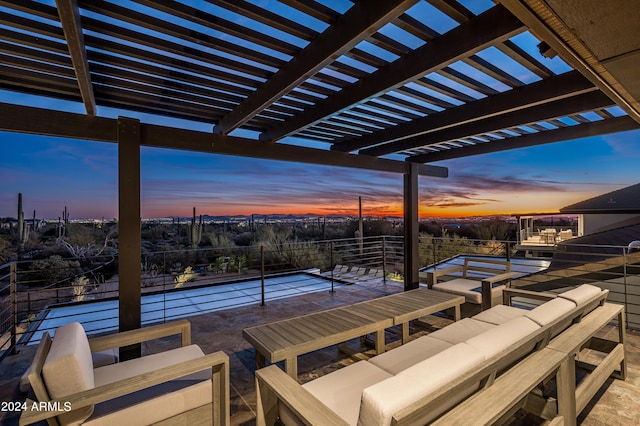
(404, 356)
(499, 314)
(500, 338)
(68, 369)
(582, 294)
(109, 356)
(470, 289)
(158, 402)
(340, 390)
(382, 400)
(462, 330)
(550, 311)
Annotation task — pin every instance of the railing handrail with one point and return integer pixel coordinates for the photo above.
(379, 252)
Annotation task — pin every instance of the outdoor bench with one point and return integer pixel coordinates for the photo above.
(438, 377)
(481, 280)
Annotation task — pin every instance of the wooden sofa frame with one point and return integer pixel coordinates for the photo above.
(216, 413)
(475, 264)
(549, 352)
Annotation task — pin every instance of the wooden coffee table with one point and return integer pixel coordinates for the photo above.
(287, 339)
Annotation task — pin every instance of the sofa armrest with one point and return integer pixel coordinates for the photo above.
(501, 277)
(509, 293)
(217, 361)
(274, 386)
(144, 334)
(432, 277)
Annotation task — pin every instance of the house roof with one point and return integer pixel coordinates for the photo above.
(625, 200)
(425, 80)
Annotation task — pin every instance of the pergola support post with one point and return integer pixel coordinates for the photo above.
(411, 258)
(129, 238)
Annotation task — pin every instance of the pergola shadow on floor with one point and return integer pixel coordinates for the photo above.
(615, 404)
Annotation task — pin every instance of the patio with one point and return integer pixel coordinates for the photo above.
(616, 404)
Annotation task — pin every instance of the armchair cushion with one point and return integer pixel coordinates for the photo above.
(68, 369)
(470, 289)
(158, 402)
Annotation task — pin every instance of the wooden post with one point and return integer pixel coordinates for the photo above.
(129, 238)
(411, 258)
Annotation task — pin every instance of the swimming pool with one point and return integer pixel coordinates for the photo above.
(102, 316)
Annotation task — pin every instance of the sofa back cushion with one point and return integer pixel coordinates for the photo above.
(503, 337)
(384, 399)
(581, 295)
(68, 369)
(550, 311)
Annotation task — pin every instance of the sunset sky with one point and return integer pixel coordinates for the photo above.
(53, 173)
(82, 175)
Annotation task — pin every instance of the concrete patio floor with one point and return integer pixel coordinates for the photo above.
(618, 403)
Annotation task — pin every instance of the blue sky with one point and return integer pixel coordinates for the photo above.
(52, 173)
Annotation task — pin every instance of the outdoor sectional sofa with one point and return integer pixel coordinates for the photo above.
(446, 377)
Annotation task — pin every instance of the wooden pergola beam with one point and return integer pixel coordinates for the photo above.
(69, 14)
(595, 128)
(495, 25)
(24, 119)
(545, 111)
(358, 23)
(548, 90)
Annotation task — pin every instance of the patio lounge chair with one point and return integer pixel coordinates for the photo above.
(481, 280)
(178, 385)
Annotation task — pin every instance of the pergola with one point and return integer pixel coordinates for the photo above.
(390, 85)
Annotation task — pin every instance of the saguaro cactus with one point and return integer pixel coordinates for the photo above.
(23, 228)
(20, 215)
(195, 231)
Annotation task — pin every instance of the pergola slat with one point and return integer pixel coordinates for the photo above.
(553, 88)
(619, 124)
(352, 28)
(69, 13)
(494, 25)
(559, 108)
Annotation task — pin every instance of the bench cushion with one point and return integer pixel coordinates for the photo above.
(68, 369)
(502, 337)
(382, 400)
(550, 311)
(582, 294)
(340, 390)
(467, 288)
(155, 403)
(499, 314)
(404, 356)
(462, 330)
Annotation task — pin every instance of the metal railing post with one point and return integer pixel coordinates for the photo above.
(624, 271)
(262, 273)
(332, 267)
(13, 286)
(384, 259)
